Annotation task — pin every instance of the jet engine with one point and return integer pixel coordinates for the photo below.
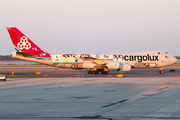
(113, 65)
(124, 67)
(121, 67)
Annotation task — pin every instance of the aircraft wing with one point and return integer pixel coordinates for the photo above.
(97, 61)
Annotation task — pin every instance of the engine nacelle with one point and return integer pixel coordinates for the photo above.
(121, 67)
(113, 65)
(124, 67)
(88, 65)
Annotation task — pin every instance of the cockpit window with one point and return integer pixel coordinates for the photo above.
(159, 53)
(166, 52)
(166, 56)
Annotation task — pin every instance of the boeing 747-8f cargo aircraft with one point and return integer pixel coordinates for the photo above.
(27, 50)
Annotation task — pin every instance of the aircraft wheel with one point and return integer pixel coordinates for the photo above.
(89, 72)
(102, 72)
(106, 72)
(161, 71)
(97, 72)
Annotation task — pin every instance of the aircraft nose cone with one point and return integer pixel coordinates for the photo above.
(174, 60)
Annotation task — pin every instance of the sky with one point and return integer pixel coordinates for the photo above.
(93, 26)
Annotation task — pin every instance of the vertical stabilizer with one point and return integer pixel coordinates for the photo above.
(23, 44)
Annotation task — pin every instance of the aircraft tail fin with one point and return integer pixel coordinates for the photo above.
(23, 44)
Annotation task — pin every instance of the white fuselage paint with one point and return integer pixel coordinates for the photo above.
(139, 59)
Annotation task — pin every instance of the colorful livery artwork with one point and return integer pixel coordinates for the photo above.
(97, 62)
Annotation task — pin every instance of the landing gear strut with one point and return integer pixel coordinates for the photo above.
(161, 70)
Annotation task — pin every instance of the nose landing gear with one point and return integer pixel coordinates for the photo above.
(161, 70)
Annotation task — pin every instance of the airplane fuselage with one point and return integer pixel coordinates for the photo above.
(27, 50)
(149, 59)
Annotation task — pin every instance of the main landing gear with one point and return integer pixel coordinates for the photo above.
(93, 72)
(104, 72)
(97, 72)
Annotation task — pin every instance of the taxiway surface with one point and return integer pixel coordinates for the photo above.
(94, 98)
(61, 72)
